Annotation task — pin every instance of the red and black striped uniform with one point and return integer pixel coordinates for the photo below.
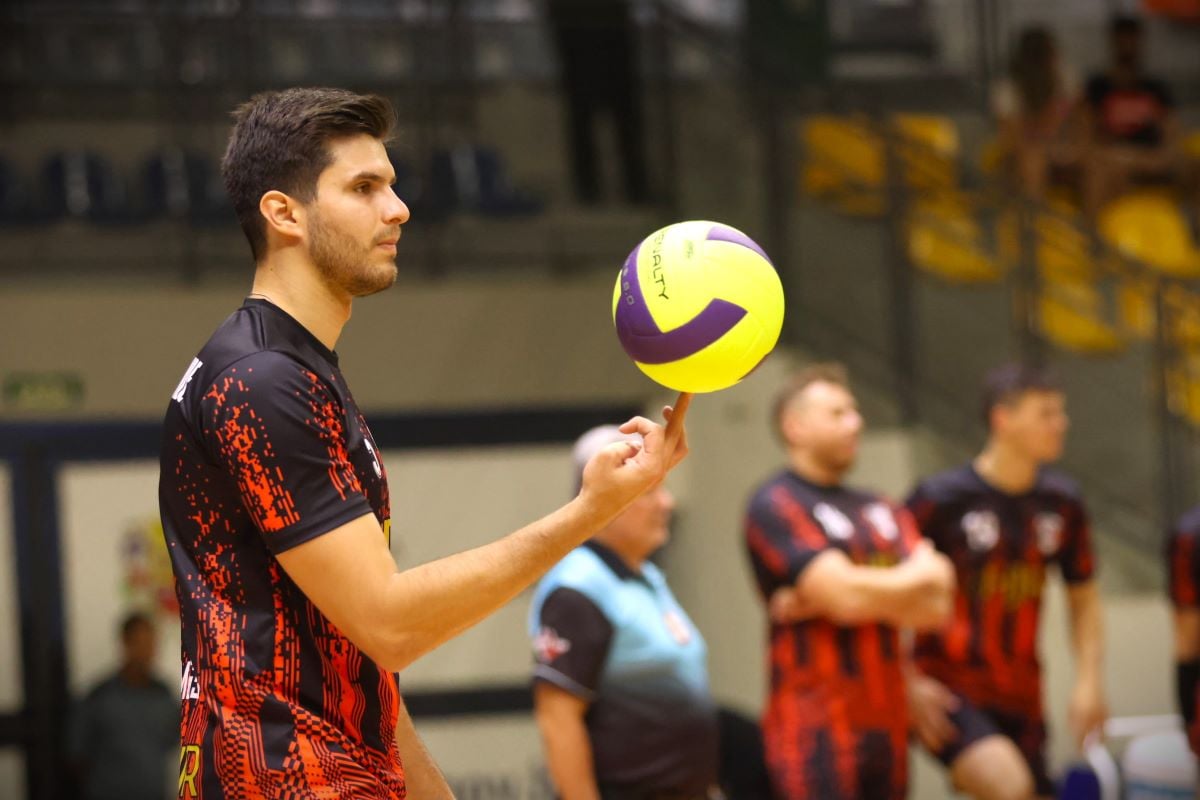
(264, 449)
(1183, 577)
(836, 723)
(1001, 545)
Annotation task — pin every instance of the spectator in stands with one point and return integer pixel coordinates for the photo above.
(596, 42)
(125, 727)
(621, 678)
(1035, 109)
(1132, 131)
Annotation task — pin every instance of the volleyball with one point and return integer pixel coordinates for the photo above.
(697, 306)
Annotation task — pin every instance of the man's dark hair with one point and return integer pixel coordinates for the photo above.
(280, 142)
(133, 620)
(1122, 24)
(1006, 384)
(829, 372)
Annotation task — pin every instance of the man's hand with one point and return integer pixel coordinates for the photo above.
(1088, 711)
(930, 704)
(788, 606)
(623, 471)
(934, 574)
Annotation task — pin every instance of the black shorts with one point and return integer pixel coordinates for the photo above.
(1029, 735)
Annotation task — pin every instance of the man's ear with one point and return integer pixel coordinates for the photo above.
(284, 215)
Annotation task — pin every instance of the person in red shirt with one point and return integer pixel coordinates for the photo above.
(842, 570)
(1132, 130)
(975, 689)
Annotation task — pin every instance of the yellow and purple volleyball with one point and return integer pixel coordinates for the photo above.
(697, 306)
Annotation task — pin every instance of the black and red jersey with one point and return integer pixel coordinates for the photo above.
(264, 449)
(1001, 545)
(836, 724)
(1183, 580)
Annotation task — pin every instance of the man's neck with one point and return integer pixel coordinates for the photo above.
(1011, 473)
(298, 289)
(813, 471)
(134, 675)
(628, 556)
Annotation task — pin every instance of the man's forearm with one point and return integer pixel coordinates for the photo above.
(432, 603)
(569, 758)
(1087, 634)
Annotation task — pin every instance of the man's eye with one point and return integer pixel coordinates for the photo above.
(363, 188)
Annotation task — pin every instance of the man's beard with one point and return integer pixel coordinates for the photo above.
(345, 263)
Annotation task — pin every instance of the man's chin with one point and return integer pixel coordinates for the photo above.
(378, 283)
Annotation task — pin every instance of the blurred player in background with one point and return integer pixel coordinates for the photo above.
(976, 689)
(123, 732)
(842, 571)
(1183, 571)
(621, 678)
(275, 501)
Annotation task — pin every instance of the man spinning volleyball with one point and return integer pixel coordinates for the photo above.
(275, 504)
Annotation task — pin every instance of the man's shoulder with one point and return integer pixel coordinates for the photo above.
(1060, 486)
(583, 571)
(765, 495)
(1188, 525)
(948, 486)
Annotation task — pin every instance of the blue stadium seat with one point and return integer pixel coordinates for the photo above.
(82, 185)
(474, 179)
(17, 203)
(181, 184)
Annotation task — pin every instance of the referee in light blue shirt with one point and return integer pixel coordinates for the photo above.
(620, 683)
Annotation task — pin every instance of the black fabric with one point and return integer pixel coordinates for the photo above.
(1187, 675)
(264, 449)
(573, 641)
(975, 724)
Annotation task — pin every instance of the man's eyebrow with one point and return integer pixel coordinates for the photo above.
(366, 175)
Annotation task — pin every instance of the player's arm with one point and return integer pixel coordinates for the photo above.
(572, 641)
(397, 616)
(916, 593)
(1088, 709)
(560, 720)
(421, 774)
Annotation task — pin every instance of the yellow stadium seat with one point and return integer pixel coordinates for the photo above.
(1183, 390)
(1150, 227)
(1071, 316)
(845, 159)
(944, 238)
(930, 160)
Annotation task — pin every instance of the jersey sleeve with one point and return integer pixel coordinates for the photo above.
(571, 643)
(280, 432)
(1077, 561)
(780, 544)
(1183, 569)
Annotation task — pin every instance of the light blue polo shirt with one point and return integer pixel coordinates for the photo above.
(620, 640)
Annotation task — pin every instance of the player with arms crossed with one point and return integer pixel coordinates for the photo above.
(275, 504)
(843, 570)
(976, 689)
